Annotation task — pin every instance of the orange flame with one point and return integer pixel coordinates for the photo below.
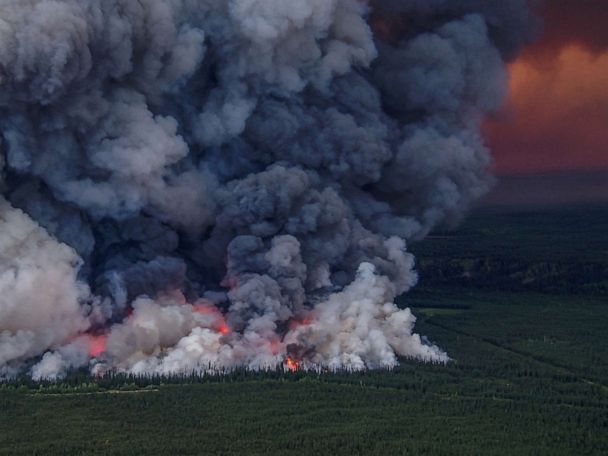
(205, 307)
(292, 364)
(97, 345)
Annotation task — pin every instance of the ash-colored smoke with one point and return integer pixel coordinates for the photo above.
(193, 185)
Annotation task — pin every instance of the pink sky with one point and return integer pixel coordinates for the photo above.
(557, 115)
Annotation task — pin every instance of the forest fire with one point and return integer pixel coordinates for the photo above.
(252, 174)
(97, 345)
(292, 364)
(205, 307)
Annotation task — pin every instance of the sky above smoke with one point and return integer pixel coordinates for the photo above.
(198, 185)
(558, 109)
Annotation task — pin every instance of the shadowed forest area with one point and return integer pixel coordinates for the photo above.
(558, 250)
(517, 299)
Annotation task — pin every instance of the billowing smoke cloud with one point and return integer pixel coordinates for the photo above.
(205, 184)
(41, 301)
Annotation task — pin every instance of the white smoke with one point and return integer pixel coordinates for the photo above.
(42, 304)
(361, 327)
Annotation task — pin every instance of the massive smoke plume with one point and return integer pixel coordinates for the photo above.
(203, 184)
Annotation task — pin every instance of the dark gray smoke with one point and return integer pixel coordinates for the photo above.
(233, 182)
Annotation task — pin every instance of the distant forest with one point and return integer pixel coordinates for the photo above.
(553, 251)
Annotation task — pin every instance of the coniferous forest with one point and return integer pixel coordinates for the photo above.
(508, 298)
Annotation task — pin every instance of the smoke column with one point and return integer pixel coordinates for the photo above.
(190, 185)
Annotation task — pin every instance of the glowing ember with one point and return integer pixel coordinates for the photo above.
(97, 345)
(224, 329)
(292, 364)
